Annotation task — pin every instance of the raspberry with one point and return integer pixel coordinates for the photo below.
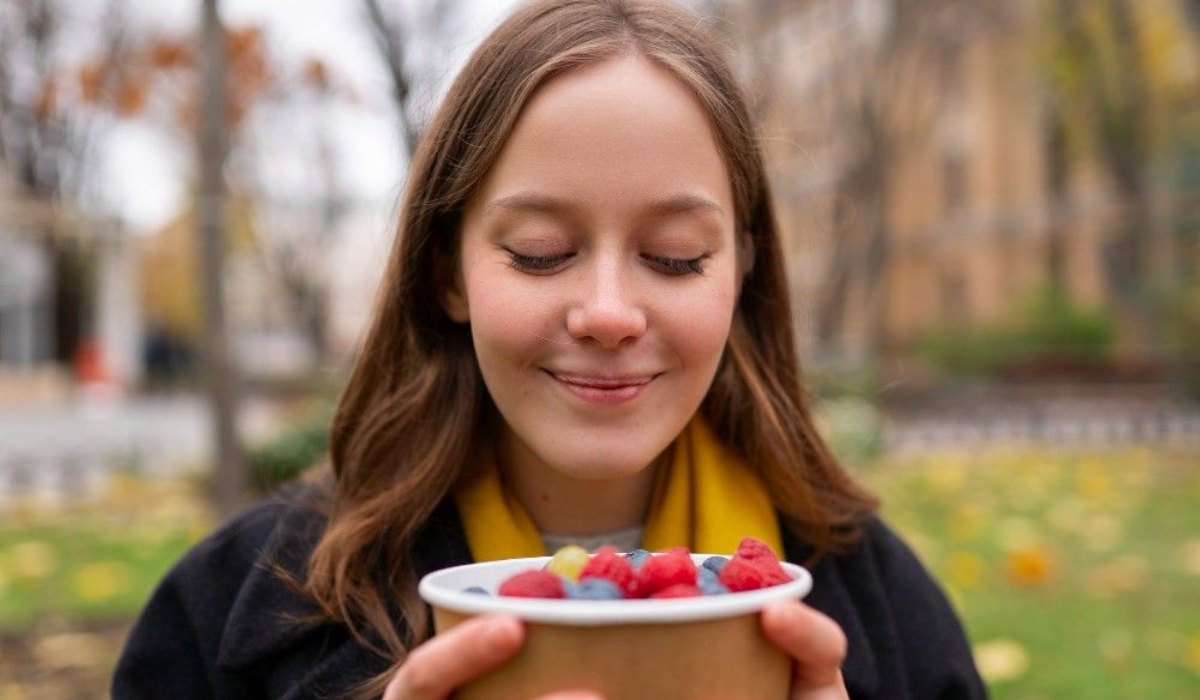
(752, 548)
(607, 564)
(537, 583)
(742, 574)
(756, 555)
(665, 570)
(679, 590)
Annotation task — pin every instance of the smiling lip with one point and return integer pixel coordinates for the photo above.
(604, 391)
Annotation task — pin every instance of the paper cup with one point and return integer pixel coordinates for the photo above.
(671, 649)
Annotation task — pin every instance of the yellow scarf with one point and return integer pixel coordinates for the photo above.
(706, 499)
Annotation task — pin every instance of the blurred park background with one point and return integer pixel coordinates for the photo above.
(993, 217)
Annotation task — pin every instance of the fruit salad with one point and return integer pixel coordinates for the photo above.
(573, 573)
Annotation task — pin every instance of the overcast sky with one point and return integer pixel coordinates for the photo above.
(145, 170)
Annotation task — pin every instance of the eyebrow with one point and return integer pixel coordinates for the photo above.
(539, 203)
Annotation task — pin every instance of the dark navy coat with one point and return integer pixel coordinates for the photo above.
(222, 624)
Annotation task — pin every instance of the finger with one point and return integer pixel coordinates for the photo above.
(813, 640)
(438, 667)
(572, 695)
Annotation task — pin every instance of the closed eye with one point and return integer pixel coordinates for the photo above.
(536, 264)
(677, 266)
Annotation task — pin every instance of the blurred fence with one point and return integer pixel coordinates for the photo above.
(62, 453)
(1056, 415)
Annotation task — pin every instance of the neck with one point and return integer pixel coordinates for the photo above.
(562, 504)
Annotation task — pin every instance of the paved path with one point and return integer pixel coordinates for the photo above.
(1074, 416)
(70, 449)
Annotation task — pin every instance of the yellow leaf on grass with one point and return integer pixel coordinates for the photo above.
(966, 569)
(1001, 660)
(1191, 656)
(32, 560)
(945, 478)
(1189, 557)
(100, 580)
(1067, 515)
(1095, 487)
(967, 521)
(1102, 533)
(1122, 575)
(1017, 533)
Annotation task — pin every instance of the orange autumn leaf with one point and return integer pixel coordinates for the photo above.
(243, 41)
(91, 82)
(167, 54)
(131, 98)
(316, 74)
(47, 100)
(1031, 566)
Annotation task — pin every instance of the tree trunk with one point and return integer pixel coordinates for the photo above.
(1125, 123)
(860, 226)
(1056, 191)
(229, 477)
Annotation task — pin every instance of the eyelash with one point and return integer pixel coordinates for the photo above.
(536, 264)
(677, 266)
(545, 264)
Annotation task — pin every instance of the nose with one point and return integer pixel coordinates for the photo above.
(607, 313)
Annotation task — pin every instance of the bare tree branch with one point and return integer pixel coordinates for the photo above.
(392, 42)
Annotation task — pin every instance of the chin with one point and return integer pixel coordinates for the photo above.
(611, 467)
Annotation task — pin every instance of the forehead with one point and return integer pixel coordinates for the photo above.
(612, 133)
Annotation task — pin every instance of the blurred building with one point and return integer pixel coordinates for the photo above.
(299, 288)
(26, 293)
(67, 307)
(922, 180)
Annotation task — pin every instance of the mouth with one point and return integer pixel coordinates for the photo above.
(604, 390)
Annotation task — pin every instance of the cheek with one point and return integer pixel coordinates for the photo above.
(507, 321)
(699, 325)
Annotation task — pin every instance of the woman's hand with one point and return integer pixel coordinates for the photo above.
(817, 646)
(438, 667)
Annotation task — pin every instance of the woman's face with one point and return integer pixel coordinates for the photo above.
(599, 272)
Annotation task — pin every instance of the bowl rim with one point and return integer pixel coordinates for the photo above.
(434, 590)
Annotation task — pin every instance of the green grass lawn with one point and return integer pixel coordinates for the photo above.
(1078, 575)
(93, 562)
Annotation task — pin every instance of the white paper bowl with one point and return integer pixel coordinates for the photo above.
(668, 649)
(445, 589)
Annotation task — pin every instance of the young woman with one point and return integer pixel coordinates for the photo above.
(584, 334)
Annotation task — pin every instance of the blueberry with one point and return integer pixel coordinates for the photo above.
(478, 590)
(715, 564)
(708, 583)
(638, 557)
(592, 588)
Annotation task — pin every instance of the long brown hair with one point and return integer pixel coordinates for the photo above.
(415, 406)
